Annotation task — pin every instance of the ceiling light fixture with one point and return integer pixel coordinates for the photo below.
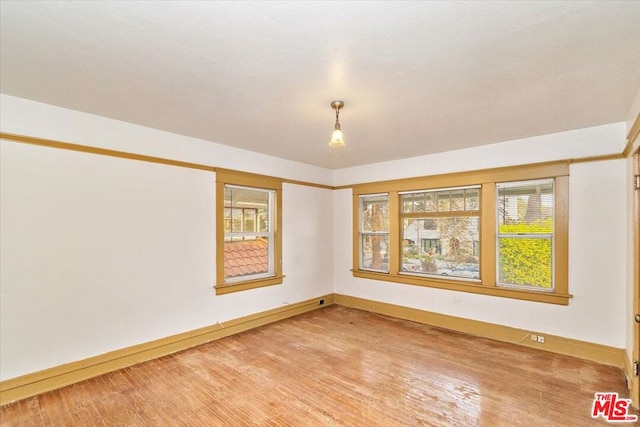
(336, 139)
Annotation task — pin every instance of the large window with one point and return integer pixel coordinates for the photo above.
(249, 231)
(441, 232)
(499, 232)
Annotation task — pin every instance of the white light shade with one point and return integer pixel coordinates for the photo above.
(336, 139)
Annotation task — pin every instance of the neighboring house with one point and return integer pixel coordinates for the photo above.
(427, 239)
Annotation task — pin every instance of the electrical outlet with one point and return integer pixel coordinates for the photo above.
(540, 339)
(534, 337)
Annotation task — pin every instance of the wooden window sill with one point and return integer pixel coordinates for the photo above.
(248, 284)
(471, 287)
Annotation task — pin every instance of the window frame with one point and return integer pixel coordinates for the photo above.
(225, 177)
(487, 179)
(364, 233)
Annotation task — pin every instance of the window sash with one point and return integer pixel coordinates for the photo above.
(456, 255)
(441, 201)
(533, 270)
(383, 255)
(268, 234)
(382, 234)
(539, 272)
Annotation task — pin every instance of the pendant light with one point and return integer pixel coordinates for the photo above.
(337, 139)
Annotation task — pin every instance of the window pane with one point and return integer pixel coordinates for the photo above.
(407, 203)
(263, 220)
(236, 220)
(248, 210)
(227, 220)
(430, 202)
(375, 252)
(525, 207)
(246, 257)
(445, 246)
(525, 262)
(443, 201)
(374, 213)
(418, 202)
(457, 200)
(472, 199)
(249, 217)
(227, 197)
(247, 204)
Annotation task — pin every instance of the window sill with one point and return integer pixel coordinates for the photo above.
(467, 286)
(248, 284)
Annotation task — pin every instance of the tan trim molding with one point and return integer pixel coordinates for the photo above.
(603, 354)
(140, 157)
(307, 184)
(597, 158)
(444, 176)
(473, 177)
(132, 156)
(248, 284)
(631, 136)
(344, 187)
(101, 151)
(59, 376)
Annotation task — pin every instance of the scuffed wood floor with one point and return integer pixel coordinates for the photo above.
(335, 366)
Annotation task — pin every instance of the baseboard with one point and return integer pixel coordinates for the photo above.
(603, 354)
(60, 376)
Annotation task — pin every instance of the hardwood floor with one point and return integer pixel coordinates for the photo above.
(335, 366)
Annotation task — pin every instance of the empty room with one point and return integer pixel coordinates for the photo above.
(280, 213)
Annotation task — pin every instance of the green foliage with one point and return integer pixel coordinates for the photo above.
(544, 226)
(526, 261)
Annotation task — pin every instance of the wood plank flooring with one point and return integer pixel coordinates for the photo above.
(332, 367)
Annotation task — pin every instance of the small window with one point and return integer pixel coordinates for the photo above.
(249, 231)
(525, 237)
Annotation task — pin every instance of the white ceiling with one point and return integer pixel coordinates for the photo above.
(416, 77)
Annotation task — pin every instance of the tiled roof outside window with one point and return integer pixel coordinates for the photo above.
(245, 257)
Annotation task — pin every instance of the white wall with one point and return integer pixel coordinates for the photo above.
(24, 117)
(576, 144)
(101, 253)
(597, 241)
(634, 111)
